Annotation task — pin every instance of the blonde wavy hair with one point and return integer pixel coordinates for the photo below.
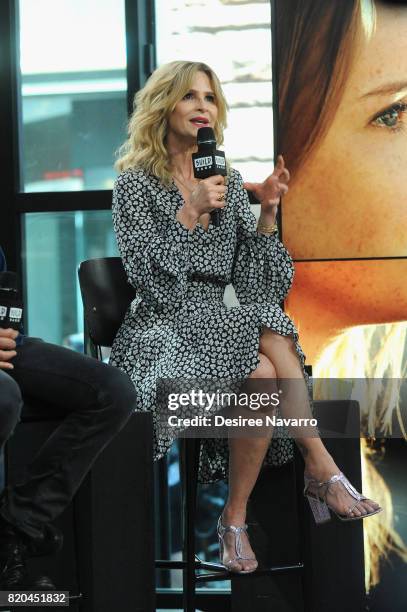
(145, 146)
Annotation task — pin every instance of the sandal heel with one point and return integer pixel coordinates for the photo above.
(319, 510)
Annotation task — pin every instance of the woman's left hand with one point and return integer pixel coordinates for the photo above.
(270, 191)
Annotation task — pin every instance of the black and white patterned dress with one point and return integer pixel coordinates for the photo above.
(179, 325)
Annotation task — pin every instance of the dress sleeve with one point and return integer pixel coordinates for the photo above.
(263, 269)
(156, 263)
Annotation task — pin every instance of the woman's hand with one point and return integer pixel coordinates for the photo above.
(7, 346)
(270, 191)
(205, 196)
(208, 195)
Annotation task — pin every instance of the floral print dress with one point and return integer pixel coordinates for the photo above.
(178, 326)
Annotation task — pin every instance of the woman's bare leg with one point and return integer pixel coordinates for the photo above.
(319, 464)
(278, 358)
(245, 459)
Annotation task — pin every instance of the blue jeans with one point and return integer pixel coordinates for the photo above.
(93, 401)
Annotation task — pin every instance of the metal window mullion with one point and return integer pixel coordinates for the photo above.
(140, 39)
(10, 222)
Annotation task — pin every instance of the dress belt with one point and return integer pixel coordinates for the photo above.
(207, 279)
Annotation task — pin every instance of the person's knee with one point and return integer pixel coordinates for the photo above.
(279, 342)
(10, 407)
(121, 392)
(262, 381)
(265, 369)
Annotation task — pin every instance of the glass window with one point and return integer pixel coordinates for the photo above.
(54, 246)
(73, 93)
(235, 40)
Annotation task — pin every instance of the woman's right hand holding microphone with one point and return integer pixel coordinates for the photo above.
(7, 348)
(207, 196)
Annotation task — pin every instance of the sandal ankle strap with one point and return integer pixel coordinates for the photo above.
(335, 478)
(222, 529)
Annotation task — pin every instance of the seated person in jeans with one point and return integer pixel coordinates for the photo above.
(93, 401)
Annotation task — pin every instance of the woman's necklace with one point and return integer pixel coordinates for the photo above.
(185, 184)
(203, 219)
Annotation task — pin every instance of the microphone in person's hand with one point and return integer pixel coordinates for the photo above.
(11, 308)
(208, 161)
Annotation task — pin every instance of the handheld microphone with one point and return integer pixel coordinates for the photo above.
(208, 161)
(11, 308)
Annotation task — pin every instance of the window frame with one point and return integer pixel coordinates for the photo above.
(140, 52)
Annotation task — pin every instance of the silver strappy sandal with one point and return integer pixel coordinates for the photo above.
(237, 531)
(319, 506)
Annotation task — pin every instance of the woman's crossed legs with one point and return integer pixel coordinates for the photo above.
(278, 360)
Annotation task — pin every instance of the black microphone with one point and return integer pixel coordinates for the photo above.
(11, 308)
(208, 161)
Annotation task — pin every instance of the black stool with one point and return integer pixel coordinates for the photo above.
(106, 296)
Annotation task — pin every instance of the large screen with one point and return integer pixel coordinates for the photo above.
(342, 67)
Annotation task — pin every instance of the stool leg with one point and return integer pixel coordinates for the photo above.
(304, 536)
(189, 469)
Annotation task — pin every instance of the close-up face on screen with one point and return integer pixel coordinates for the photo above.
(342, 130)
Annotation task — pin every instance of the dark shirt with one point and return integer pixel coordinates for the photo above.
(3, 268)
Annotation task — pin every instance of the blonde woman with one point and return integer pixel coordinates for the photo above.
(351, 130)
(180, 264)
